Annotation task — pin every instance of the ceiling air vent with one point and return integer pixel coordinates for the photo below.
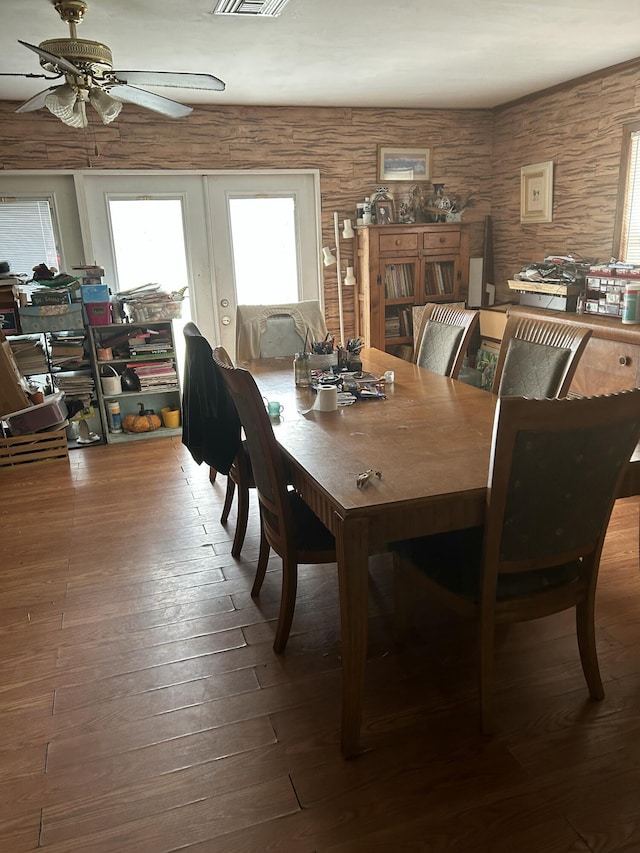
(263, 8)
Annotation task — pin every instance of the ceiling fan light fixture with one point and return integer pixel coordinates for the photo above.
(260, 8)
(107, 107)
(66, 104)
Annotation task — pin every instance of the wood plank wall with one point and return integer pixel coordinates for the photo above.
(578, 126)
(341, 143)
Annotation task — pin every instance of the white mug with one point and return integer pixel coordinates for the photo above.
(327, 399)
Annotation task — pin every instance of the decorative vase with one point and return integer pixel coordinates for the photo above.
(441, 202)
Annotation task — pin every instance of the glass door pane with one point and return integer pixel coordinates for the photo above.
(263, 237)
(149, 248)
(148, 241)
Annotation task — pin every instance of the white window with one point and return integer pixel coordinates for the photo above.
(28, 234)
(627, 231)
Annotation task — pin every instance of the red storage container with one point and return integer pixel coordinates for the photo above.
(98, 313)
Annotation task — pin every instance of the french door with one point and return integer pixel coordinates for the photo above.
(249, 236)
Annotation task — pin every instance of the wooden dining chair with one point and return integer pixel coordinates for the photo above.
(289, 525)
(443, 338)
(212, 431)
(556, 468)
(538, 358)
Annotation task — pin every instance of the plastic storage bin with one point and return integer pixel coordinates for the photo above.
(152, 310)
(51, 412)
(99, 313)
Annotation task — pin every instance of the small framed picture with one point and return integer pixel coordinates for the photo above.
(384, 211)
(536, 192)
(404, 164)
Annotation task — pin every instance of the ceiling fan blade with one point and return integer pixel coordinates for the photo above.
(37, 102)
(176, 79)
(39, 76)
(62, 63)
(142, 98)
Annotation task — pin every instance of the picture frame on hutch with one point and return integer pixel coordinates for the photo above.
(536, 192)
(397, 163)
(384, 211)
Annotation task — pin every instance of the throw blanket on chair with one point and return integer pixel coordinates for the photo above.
(251, 323)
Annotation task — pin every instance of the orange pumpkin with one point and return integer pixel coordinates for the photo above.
(145, 421)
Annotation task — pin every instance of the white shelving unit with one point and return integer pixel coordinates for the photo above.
(150, 359)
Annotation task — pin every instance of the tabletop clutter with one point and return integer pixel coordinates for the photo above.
(336, 373)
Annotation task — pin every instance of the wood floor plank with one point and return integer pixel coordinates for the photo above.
(143, 707)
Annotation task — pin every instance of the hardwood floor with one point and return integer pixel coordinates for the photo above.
(143, 708)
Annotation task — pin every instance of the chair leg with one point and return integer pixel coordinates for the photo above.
(487, 652)
(263, 559)
(212, 475)
(287, 604)
(228, 500)
(241, 521)
(587, 645)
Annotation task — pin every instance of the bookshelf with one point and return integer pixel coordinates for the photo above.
(143, 356)
(400, 266)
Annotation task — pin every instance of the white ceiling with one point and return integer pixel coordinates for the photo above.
(360, 53)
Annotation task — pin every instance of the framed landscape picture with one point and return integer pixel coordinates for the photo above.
(404, 164)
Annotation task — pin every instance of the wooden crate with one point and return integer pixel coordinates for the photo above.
(37, 447)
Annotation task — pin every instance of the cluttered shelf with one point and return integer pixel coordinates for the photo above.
(58, 325)
(565, 283)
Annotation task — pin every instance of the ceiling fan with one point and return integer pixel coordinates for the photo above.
(87, 67)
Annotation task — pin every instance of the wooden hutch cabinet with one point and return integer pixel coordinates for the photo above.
(399, 266)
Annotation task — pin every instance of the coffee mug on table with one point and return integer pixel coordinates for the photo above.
(274, 408)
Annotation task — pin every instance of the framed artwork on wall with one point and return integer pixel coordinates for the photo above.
(404, 164)
(536, 192)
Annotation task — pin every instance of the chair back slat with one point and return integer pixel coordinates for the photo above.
(538, 358)
(443, 338)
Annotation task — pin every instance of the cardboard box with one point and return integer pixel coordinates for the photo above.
(94, 292)
(50, 297)
(51, 318)
(493, 320)
(9, 320)
(12, 395)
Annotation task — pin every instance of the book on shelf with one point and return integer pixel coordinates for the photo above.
(398, 281)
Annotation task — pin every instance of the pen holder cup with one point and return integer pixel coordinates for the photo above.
(322, 361)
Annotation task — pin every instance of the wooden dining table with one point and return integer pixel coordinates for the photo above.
(430, 442)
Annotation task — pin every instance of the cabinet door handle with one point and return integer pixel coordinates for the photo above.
(397, 242)
(443, 239)
(624, 360)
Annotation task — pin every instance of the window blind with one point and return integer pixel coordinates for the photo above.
(630, 243)
(27, 234)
